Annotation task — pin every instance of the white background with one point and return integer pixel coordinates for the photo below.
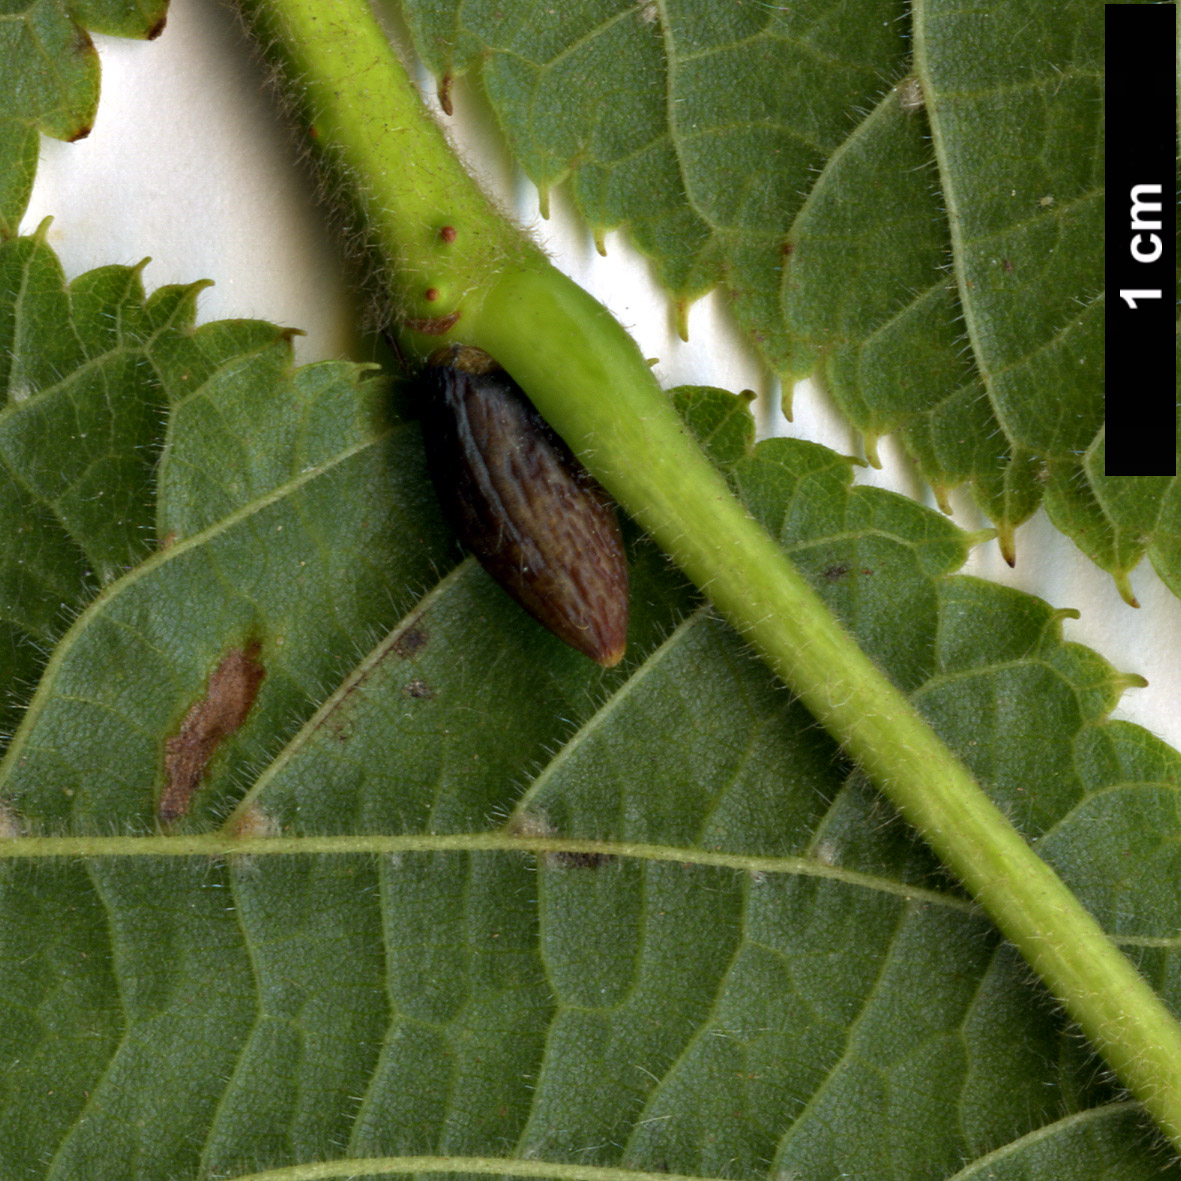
(189, 163)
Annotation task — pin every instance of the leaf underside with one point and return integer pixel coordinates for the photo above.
(903, 200)
(753, 970)
(946, 164)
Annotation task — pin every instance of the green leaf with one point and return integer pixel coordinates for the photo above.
(1115, 520)
(80, 372)
(905, 201)
(50, 80)
(453, 892)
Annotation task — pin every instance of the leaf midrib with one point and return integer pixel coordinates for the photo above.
(219, 845)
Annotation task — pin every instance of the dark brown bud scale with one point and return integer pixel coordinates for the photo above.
(526, 508)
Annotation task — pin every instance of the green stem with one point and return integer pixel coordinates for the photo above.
(485, 285)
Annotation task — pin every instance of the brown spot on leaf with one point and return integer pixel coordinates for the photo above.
(432, 293)
(411, 641)
(227, 701)
(418, 688)
(157, 28)
(445, 93)
(834, 572)
(447, 233)
(1008, 266)
(81, 133)
(578, 858)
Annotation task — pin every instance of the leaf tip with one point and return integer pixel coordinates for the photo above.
(786, 399)
(1007, 541)
(681, 318)
(1123, 584)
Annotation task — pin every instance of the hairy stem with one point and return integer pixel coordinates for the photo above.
(459, 272)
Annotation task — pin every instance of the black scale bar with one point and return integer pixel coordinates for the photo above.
(1141, 240)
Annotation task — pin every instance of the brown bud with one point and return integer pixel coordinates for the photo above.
(526, 508)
